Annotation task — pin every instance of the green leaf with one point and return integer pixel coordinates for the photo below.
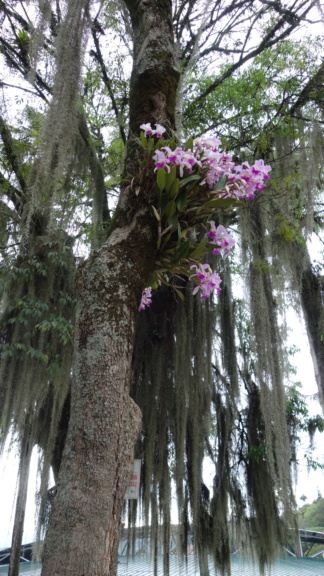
(221, 203)
(164, 202)
(221, 183)
(150, 145)
(189, 144)
(173, 219)
(182, 200)
(167, 238)
(181, 252)
(143, 140)
(170, 178)
(189, 179)
(170, 208)
(199, 250)
(181, 296)
(161, 178)
(174, 190)
(152, 282)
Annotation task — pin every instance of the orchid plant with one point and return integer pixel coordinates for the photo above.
(192, 185)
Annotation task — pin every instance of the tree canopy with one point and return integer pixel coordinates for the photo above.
(94, 210)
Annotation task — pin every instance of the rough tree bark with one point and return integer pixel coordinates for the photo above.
(104, 421)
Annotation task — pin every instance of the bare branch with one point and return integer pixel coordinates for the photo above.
(5, 85)
(108, 83)
(269, 40)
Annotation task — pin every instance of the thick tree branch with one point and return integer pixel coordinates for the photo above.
(312, 91)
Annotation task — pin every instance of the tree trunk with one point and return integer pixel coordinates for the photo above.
(18, 529)
(104, 421)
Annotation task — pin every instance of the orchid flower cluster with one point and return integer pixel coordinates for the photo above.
(194, 183)
(146, 299)
(242, 180)
(148, 131)
(207, 280)
(221, 238)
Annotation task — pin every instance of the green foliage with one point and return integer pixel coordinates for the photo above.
(311, 516)
(299, 421)
(256, 453)
(29, 314)
(261, 266)
(290, 231)
(249, 106)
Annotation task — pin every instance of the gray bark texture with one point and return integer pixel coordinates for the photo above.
(83, 532)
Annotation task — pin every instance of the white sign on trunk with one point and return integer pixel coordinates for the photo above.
(132, 492)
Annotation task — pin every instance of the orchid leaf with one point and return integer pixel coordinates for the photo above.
(220, 184)
(153, 283)
(166, 240)
(199, 250)
(173, 219)
(174, 190)
(170, 178)
(222, 203)
(179, 293)
(170, 208)
(164, 202)
(150, 145)
(182, 200)
(161, 178)
(143, 140)
(185, 181)
(189, 144)
(181, 252)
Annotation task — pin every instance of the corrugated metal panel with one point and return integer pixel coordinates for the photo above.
(26, 569)
(142, 566)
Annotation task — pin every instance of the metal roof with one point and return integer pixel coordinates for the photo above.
(142, 566)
